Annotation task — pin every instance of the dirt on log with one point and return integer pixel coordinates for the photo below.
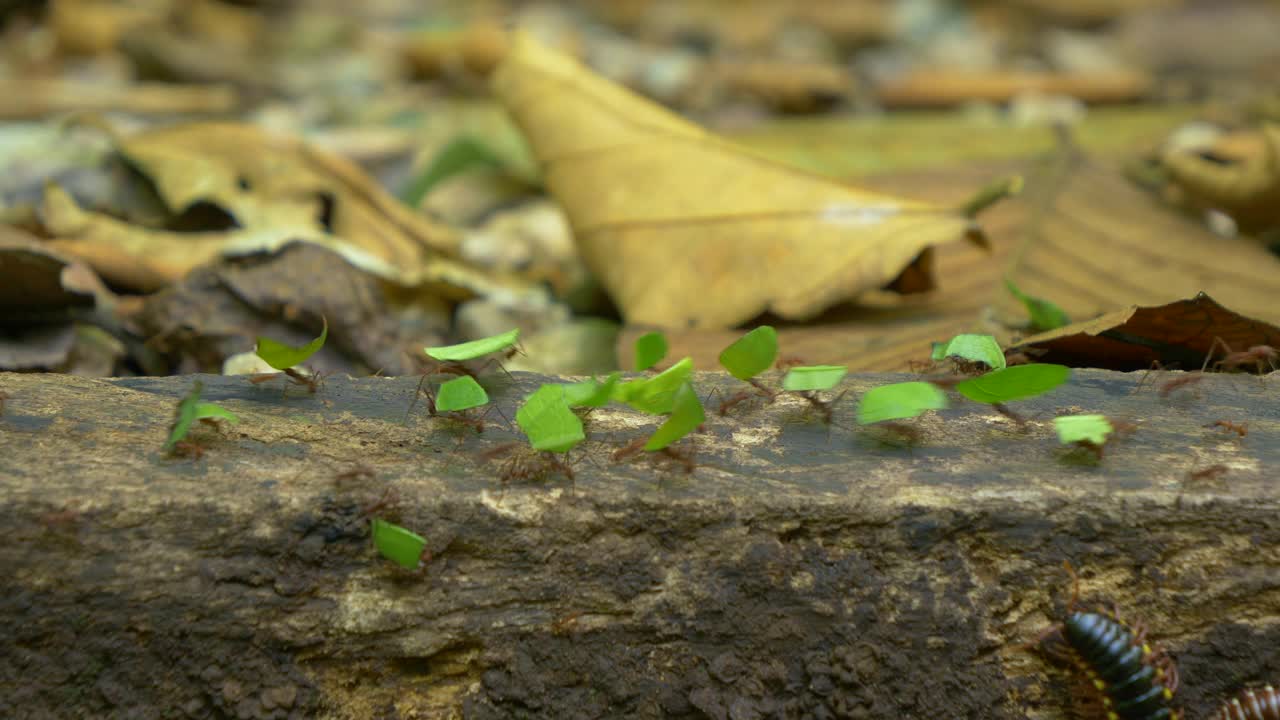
(783, 569)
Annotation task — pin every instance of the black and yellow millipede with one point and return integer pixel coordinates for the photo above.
(1119, 674)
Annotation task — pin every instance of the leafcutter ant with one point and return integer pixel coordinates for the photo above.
(1256, 355)
(760, 391)
(461, 417)
(682, 457)
(1182, 381)
(523, 464)
(824, 408)
(1240, 429)
(898, 433)
(1211, 475)
(311, 381)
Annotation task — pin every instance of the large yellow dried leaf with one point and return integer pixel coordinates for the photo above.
(685, 229)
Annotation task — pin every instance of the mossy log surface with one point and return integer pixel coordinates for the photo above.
(799, 571)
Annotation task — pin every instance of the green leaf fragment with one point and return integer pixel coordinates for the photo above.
(461, 393)
(814, 377)
(1083, 428)
(591, 393)
(184, 415)
(752, 353)
(282, 357)
(397, 544)
(545, 417)
(475, 348)
(686, 415)
(655, 395)
(976, 348)
(459, 156)
(216, 412)
(190, 409)
(1014, 383)
(1044, 314)
(650, 349)
(898, 401)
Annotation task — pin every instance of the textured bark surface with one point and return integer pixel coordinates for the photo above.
(800, 571)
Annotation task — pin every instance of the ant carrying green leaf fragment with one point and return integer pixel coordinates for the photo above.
(403, 547)
(548, 421)
(747, 357)
(591, 393)
(686, 415)
(1091, 432)
(1044, 315)
(190, 409)
(970, 350)
(1012, 383)
(807, 381)
(650, 349)
(452, 359)
(655, 395)
(899, 401)
(454, 397)
(287, 358)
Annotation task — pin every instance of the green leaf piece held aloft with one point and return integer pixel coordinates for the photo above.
(190, 409)
(398, 545)
(459, 156)
(591, 393)
(547, 419)
(1045, 315)
(475, 348)
(814, 377)
(282, 357)
(650, 349)
(461, 393)
(655, 395)
(210, 411)
(184, 415)
(686, 415)
(752, 353)
(975, 348)
(1014, 383)
(899, 401)
(1083, 428)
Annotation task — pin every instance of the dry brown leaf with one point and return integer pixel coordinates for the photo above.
(239, 190)
(472, 51)
(35, 278)
(890, 334)
(1093, 243)
(685, 229)
(1176, 335)
(944, 88)
(1248, 191)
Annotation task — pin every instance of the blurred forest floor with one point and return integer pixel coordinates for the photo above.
(179, 177)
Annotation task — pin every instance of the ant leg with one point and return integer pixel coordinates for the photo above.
(1212, 347)
(1155, 366)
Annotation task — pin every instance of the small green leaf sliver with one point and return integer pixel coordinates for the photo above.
(397, 544)
(655, 395)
